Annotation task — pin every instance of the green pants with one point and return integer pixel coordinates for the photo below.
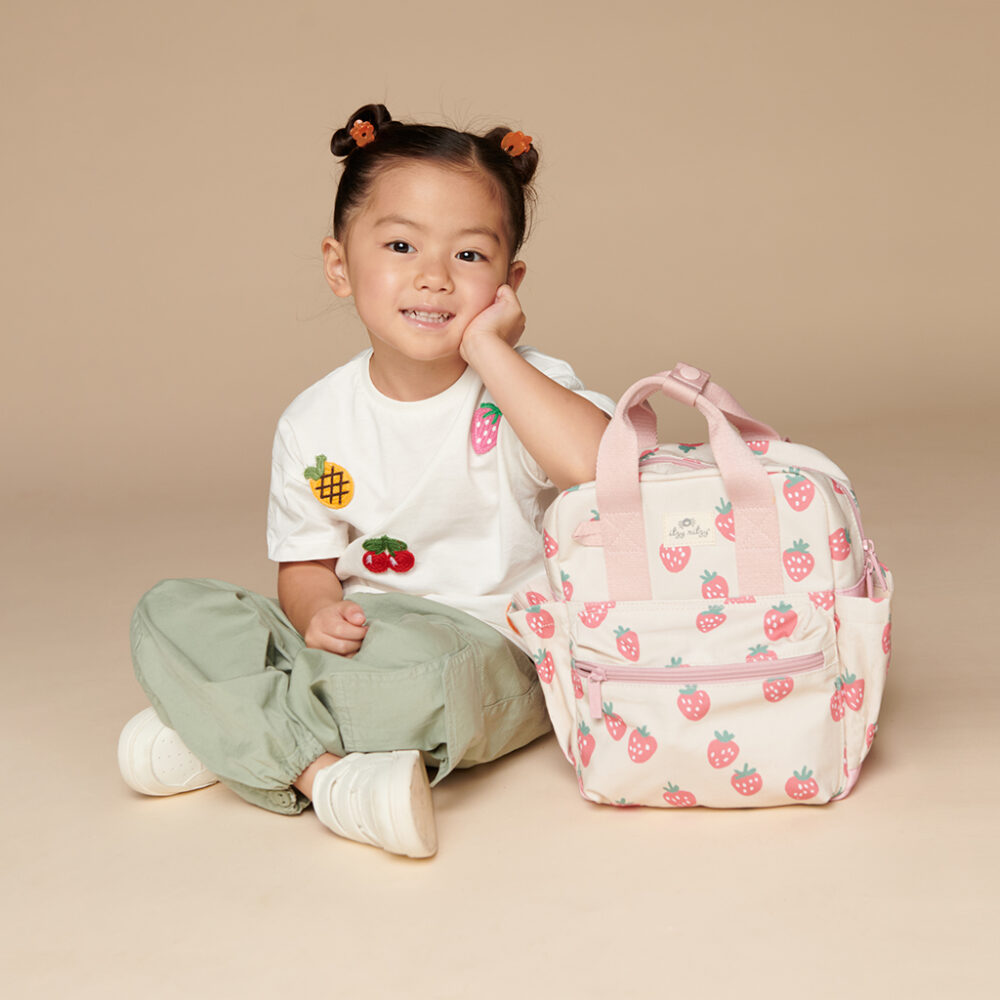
(226, 669)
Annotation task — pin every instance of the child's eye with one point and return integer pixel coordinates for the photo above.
(470, 255)
(400, 246)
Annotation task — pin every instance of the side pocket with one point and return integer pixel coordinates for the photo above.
(864, 642)
(543, 630)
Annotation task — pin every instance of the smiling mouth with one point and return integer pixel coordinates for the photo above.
(432, 318)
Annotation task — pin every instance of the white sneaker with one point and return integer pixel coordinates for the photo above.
(154, 761)
(379, 798)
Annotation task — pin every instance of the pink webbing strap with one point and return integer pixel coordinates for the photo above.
(619, 500)
(683, 384)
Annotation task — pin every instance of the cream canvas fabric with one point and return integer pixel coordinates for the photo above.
(694, 667)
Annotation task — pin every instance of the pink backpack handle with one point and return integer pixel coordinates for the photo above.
(632, 431)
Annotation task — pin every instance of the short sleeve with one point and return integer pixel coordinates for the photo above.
(562, 372)
(298, 526)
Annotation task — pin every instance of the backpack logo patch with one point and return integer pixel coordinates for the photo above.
(688, 528)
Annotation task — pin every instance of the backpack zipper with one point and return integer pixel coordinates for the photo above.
(597, 674)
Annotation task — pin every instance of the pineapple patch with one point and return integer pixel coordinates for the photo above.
(331, 485)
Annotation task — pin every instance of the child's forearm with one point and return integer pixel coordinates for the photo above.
(305, 587)
(561, 430)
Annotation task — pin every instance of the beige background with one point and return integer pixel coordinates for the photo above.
(799, 196)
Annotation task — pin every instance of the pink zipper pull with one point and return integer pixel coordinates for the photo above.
(594, 681)
(873, 568)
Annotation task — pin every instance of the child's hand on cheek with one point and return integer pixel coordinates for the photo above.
(503, 318)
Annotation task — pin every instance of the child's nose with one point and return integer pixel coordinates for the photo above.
(434, 275)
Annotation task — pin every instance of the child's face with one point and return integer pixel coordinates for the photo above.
(424, 255)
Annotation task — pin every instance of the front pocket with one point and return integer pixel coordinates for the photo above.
(671, 717)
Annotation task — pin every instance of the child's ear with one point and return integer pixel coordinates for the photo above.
(516, 273)
(335, 268)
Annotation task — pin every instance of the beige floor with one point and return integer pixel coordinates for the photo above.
(534, 893)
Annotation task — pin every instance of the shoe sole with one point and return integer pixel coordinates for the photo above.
(143, 729)
(415, 828)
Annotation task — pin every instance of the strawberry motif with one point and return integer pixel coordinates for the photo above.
(798, 561)
(585, 743)
(723, 750)
(693, 702)
(802, 785)
(627, 642)
(567, 587)
(594, 612)
(840, 544)
(676, 797)
(545, 666)
(797, 489)
(713, 586)
(837, 701)
(551, 546)
(384, 553)
(675, 558)
(725, 521)
(759, 446)
(540, 622)
(780, 621)
(761, 652)
(641, 746)
(777, 688)
(823, 599)
(577, 683)
(485, 428)
(869, 735)
(887, 639)
(747, 781)
(615, 723)
(852, 691)
(690, 447)
(713, 617)
(535, 598)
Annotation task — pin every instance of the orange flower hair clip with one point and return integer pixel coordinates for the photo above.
(363, 132)
(515, 143)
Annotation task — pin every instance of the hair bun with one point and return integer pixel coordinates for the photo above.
(345, 140)
(506, 141)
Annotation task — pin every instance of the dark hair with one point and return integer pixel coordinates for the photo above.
(389, 141)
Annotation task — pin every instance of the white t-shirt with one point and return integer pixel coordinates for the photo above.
(436, 498)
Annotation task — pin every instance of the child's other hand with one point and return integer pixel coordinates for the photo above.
(503, 318)
(338, 628)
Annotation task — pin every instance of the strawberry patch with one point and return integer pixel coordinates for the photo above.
(485, 429)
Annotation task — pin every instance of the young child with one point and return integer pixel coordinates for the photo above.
(405, 508)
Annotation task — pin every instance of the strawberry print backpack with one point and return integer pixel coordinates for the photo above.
(713, 628)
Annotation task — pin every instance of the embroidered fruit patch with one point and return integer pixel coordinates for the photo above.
(331, 485)
(385, 553)
(485, 428)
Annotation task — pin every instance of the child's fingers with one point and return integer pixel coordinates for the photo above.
(339, 628)
(353, 613)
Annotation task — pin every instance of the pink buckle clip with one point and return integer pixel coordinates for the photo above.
(690, 381)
